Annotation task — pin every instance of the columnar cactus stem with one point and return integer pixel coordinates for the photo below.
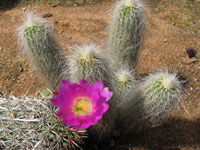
(126, 30)
(89, 62)
(152, 103)
(38, 40)
(30, 123)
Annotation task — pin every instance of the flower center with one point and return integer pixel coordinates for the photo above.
(122, 78)
(168, 84)
(82, 107)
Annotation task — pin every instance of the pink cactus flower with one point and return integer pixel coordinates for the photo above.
(81, 105)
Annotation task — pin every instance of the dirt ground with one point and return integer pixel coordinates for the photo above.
(163, 48)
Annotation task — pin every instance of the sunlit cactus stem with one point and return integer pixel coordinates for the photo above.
(30, 123)
(89, 62)
(37, 38)
(152, 103)
(126, 30)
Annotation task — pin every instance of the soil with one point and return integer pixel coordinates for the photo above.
(163, 47)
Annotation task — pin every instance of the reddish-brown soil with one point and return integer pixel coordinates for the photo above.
(163, 48)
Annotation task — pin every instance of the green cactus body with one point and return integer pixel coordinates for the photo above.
(124, 82)
(38, 40)
(89, 62)
(153, 102)
(30, 123)
(125, 31)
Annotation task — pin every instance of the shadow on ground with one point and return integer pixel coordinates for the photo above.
(174, 134)
(8, 4)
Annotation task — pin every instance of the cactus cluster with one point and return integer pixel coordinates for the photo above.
(30, 123)
(136, 104)
(157, 96)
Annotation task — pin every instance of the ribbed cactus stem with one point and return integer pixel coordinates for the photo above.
(89, 62)
(30, 123)
(126, 30)
(38, 40)
(123, 83)
(153, 102)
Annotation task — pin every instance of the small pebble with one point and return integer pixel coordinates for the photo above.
(24, 9)
(174, 23)
(0, 48)
(55, 5)
(191, 89)
(156, 9)
(21, 69)
(60, 32)
(47, 15)
(165, 40)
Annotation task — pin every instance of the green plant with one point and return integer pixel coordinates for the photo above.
(37, 39)
(126, 30)
(138, 104)
(89, 62)
(123, 83)
(30, 123)
(157, 96)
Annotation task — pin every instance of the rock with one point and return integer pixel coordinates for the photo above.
(21, 69)
(165, 40)
(0, 48)
(24, 9)
(47, 15)
(191, 89)
(174, 23)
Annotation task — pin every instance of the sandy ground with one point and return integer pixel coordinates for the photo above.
(163, 48)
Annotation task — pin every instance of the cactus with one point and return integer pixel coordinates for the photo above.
(37, 38)
(30, 123)
(123, 83)
(125, 31)
(152, 103)
(89, 62)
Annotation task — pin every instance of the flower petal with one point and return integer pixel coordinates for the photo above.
(66, 100)
(98, 86)
(107, 94)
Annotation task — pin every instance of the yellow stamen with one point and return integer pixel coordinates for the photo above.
(82, 106)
